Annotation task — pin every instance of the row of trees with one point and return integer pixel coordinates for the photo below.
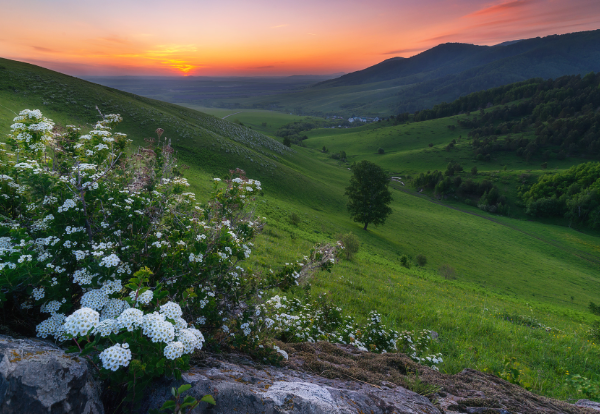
(484, 194)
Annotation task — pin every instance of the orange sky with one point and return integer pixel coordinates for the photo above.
(264, 37)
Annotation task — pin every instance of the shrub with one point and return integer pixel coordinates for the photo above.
(595, 309)
(405, 261)
(295, 219)
(381, 151)
(118, 243)
(351, 244)
(287, 142)
(421, 260)
(447, 272)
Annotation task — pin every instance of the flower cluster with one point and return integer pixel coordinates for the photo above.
(115, 357)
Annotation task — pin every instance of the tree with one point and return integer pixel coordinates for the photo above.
(368, 194)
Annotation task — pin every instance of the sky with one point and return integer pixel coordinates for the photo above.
(264, 37)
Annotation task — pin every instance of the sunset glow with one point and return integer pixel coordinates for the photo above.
(265, 37)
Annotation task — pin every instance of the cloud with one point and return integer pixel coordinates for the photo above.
(278, 26)
(398, 52)
(442, 37)
(264, 67)
(502, 8)
(44, 49)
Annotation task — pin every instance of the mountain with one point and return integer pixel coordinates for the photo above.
(445, 73)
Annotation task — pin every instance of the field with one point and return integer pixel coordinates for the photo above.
(520, 288)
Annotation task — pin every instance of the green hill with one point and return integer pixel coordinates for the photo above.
(517, 289)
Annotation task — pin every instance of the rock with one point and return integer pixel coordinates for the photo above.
(249, 389)
(588, 404)
(36, 376)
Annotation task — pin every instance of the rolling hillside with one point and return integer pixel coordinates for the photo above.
(519, 289)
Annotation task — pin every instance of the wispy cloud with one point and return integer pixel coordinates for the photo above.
(401, 51)
(44, 49)
(449, 36)
(501, 8)
(279, 26)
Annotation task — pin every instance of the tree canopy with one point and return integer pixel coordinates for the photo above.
(368, 194)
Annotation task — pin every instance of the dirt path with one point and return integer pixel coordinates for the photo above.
(571, 250)
(232, 114)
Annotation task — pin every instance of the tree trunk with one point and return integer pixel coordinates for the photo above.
(365, 228)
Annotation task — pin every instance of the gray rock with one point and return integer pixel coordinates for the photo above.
(248, 389)
(36, 376)
(588, 404)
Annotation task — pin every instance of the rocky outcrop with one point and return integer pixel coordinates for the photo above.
(324, 378)
(588, 404)
(244, 387)
(38, 377)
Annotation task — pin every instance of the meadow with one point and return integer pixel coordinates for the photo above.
(520, 288)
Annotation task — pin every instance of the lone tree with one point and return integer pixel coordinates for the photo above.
(368, 194)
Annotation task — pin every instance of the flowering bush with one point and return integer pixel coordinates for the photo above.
(79, 217)
(130, 267)
(292, 320)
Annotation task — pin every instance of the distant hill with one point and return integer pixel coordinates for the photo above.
(444, 73)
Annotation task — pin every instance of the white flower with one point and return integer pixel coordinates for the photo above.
(81, 321)
(112, 286)
(157, 328)
(51, 307)
(116, 356)
(113, 309)
(38, 293)
(174, 350)
(280, 351)
(143, 298)
(191, 339)
(94, 299)
(196, 258)
(50, 326)
(67, 205)
(106, 327)
(79, 254)
(131, 319)
(171, 310)
(110, 261)
(82, 277)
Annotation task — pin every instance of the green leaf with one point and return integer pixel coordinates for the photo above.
(209, 399)
(168, 404)
(184, 388)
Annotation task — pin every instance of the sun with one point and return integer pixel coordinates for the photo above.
(181, 65)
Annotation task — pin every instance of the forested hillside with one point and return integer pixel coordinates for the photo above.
(443, 74)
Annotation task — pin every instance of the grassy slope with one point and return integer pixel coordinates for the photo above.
(499, 267)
